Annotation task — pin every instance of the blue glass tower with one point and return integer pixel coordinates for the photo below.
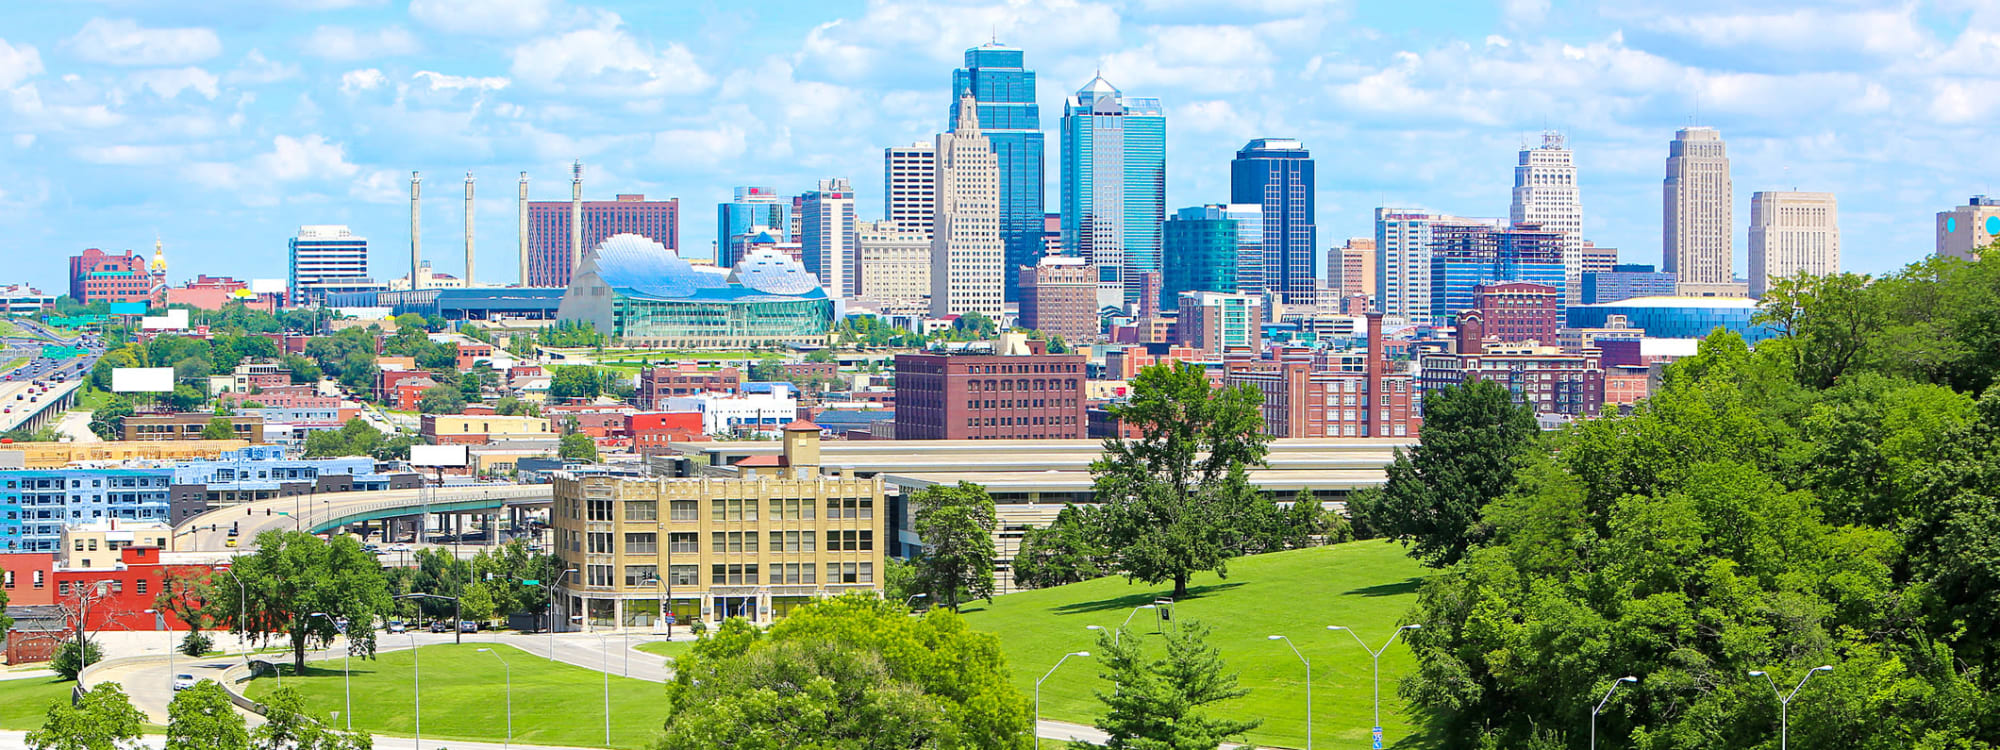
(1114, 186)
(1464, 257)
(995, 76)
(1277, 173)
(752, 207)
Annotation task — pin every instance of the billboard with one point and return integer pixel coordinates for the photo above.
(438, 455)
(267, 286)
(175, 319)
(128, 308)
(142, 380)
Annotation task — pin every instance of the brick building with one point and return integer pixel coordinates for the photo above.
(991, 396)
(652, 431)
(95, 275)
(189, 426)
(1059, 298)
(1319, 396)
(1543, 377)
(1516, 311)
(657, 384)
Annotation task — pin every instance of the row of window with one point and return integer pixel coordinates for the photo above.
(747, 574)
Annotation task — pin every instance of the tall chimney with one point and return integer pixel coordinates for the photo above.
(468, 229)
(1371, 402)
(575, 217)
(416, 225)
(521, 231)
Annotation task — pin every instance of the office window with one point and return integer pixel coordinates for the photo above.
(646, 543)
(600, 543)
(641, 575)
(139, 585)
(686, 542)
(600, 510)
(684, 510)
(682, 575)
(718, 541)
(642, 510)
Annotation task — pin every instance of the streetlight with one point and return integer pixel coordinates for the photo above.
(417, 688)
(1600, 707)
(346, 677)
(1785, 701)
(604, 658)
(510, 693)
(164, 625)
(1309, 685)
(242, 599)
(551, 616)
(908, 603)
(1376, 655)
(1036, 729)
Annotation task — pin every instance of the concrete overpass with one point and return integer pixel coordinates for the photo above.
(43, 410)
(389, 510)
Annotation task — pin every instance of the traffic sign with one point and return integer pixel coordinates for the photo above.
(1378, 738)
(531, 581)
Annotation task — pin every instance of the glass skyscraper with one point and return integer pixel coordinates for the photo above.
(752, 207)
(1464, 257)
(996, 76)
(1210, 249)
(1278, 174)
(1114, 186)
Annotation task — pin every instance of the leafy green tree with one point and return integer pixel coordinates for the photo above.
(71, 657)
(202, 718)
(303, 371)
(577, 446)
(824, 695)
(574, 382)
(1061, 553)
(441, 399)
(101, 719)
(293, 574)
(1158, 705)
(287, 727)
(1177, 499)
(108, 421)
(1474, 437)
(956, 526)
(219, 428)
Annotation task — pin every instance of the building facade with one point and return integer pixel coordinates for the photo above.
(1114, 186)
(1350, 269)
(1059, 297)
(909, 187)
(23, 299)
(749, 208)
(1517, 311)
(1625, 281)
(1010, 119)
(189, 426)
(1277, 174)
(639, 292)
(1212, 248)
(1465, 257)
(893, 270)
(1546, 194)
(1544, 378)
(968, 253)
(657, 384)
(1215, 323)
(1333, 393)
(1697, 231)
(553, 242)
(98, 276)
(1405, 241)
(826, 235)
(1030, 396)
(1792, 233)
(1675, 317)
(1965, 231)
(36, 505)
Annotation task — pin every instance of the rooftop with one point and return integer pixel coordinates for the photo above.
(1713, 303)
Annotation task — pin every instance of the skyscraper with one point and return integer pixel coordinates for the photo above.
(1059, 298)
(826, 235)
(1278, 173)
(1789, 233)
(1465, 257)
(968, 258)
(751, 207)
(1545, 193)
(997, 77)
(1114, 186)
(1697, 230)
(909, 186)
(1962, 232)
(1404, 238)
(554, 227)
(327, 258)
(1209, 249)
(1350, 269)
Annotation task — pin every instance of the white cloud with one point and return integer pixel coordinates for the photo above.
(349, 44)
(483, 17)
(1884, 34)
(24, 140)
(908, 38)
(1523, 14)
(361, 80)
(124, 42)
(18, 64)
(130, 155)
(290, 159)
(1209, 59)
(168, 83)
(444, 82)
(717, 145)
(256, 69)
(606, 61)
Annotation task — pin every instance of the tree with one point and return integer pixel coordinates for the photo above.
(101, 719)
(1177, 499)
(574, 382)
(108, 421)
(71, 657)
(1474, 437)
(824, 695)
(1158, 705)
(441, 399)
(577, 446)
(1061, 553)
(219, 428)
(294, 574)
(956, 526)
(287, 727)
(202, 718)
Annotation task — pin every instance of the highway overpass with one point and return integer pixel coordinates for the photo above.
(315, 513)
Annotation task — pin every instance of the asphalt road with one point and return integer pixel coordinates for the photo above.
(256, 517)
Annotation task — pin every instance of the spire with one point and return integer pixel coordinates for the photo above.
(968, 115)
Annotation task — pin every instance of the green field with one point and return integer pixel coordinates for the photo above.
(668, 649)
(9, 365)
(1368, 586)
(91, 399)
(24, 703)
(465, 697)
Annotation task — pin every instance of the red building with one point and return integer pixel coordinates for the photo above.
(652, 431)
(600, 421)
(1543, 377)
(549, 252)
(1308, 396)
(96, 275)
(469, 353)
(1031, 396)
(24, 578)
(1059, 298)
(119, 594)
(657, 384)
(1516, 311)
(213, 292)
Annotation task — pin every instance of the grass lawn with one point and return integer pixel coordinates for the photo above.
(465, 697)
(24, 703)
(11, 331)
(13, 363)
(667, 649)
(1368, 586)
(91, 399)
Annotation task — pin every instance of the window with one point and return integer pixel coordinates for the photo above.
(597, 575)
(646, 543)
(682, 575)
(686, 542)
(139, 585)
(600, 543)
(641, 575)
(684, 510)
(642, 510)
(600, 510)
(718, 541)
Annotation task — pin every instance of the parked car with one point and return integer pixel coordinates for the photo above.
(397, 626)
(468, 626)
(440, 626)
(183, 682)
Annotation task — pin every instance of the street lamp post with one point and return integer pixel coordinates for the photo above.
(1036, 727)
(167, 626)
(909, 603)
(242, 600)
(1785, 701)
(550, 618)
(1309, 686)
(417, 688)
(604, 656)
(1600, 707)
(1376, 656)
(346, 676)
(510, 694)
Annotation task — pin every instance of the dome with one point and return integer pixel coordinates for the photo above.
(773, 272)
(642, 267)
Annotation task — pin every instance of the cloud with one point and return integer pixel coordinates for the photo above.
(18, 64)
(1210, 59)
(483, 17)
(290, 159)
(361, 80)
(130, 155)
(1523, 14)
(908, 39)
(348, 44)
(168, 83)
(123, 42)
(717, 145)
(256, 69)
(443, 82)
(607, 62)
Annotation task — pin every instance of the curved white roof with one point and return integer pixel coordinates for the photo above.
(1714, 303)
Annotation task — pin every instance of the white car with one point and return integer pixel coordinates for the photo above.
(183, 682)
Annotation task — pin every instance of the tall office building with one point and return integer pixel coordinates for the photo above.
(894, 270)
(1791, 233)
(751, 207)
(826, 235)
(998, 78)
(1545, 193)
(327, 258)
(1059, 298)
(1404, 244)
(968, 257)
(1464, 258)
(909, 186)
(1964, 231)
(1278, 173)
(1114, 186)
(551, 238)
(1350, 268)
(1211, 249)
(1698, 229)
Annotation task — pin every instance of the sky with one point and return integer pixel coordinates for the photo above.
(222, 126)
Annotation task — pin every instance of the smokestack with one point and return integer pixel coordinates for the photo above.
(416, 225)
(468, 229)
(1371, 402)
(575, 217)
(521, 231)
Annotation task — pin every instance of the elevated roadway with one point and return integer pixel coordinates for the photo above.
(315, 513)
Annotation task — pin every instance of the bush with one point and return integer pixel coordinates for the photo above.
(197, 643)
(66, 662)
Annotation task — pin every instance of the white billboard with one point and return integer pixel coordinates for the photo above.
(267, 286)
(142, 380)
(438, 455)
(175, 319)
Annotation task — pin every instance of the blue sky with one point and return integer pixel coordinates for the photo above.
(223, 125)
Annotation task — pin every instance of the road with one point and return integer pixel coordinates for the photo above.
(75, 425)
(253, 518)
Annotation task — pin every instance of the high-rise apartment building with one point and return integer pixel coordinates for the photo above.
(1114, 186)
(327, 258)
(1792, 233)
(1217, 323)
(894, 270)
(1697, 231)
(1029, 395)
(1210, 249)
(1404, 238)
(1964, 231)
(1350, 268)
(1625, 281)
(1598, 259)
(909, 186)
(552, 243)
(751, 207)
(1516, 311)
(1463, 258)
(1277, 173)
(968, 256)
(1545, 193)
(1059, 298)
(997, 78)
(826, 235)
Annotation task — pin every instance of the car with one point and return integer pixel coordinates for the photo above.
(468, 626)
(230, 543)
(397, 626)
(440, 626)
(183, 682)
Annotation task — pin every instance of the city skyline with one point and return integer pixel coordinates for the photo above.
(258, 122)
